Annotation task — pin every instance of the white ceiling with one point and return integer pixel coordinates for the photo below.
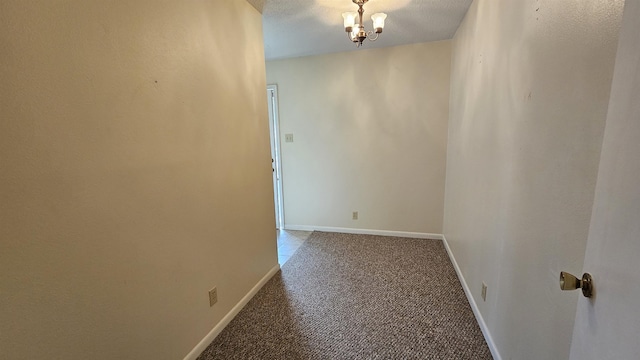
(310, 27)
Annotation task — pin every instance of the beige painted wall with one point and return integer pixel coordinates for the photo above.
(370, 130)
(607, 324)
(135, 174)
(529, 94)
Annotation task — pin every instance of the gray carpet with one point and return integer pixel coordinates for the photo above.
(345, 296)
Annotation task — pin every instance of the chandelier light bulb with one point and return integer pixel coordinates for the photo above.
(378, 21)
(355, 31)
(349, 19)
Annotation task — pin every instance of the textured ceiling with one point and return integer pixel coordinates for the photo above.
(258, 4)
(310, 27)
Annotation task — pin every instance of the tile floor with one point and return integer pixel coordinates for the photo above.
(288, 242)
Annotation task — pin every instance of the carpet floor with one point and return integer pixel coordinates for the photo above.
(346, 296)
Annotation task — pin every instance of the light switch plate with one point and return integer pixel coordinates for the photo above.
(213, 296)
(288, 137)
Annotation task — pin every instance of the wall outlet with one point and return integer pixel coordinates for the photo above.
(484, 291)
(288, 137)
(213, 296)
(354, 216)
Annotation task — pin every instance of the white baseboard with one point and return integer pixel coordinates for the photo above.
(406, 234)
(193, 354)
(472, 302)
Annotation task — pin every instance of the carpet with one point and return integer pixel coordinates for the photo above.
(346, 296)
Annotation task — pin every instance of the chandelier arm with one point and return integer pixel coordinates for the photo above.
(371, 33)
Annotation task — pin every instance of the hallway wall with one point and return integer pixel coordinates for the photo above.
(530, 87)
(135, 152)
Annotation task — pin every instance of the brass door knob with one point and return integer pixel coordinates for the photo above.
(570, 282)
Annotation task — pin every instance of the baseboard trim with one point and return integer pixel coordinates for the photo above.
(472, 302)
(193, 354)
(406, 234)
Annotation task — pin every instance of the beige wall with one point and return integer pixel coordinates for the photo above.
(135, 174)
(529, 93)
(607, 324)
(370, 130)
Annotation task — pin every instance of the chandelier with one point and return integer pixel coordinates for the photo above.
(356, 32)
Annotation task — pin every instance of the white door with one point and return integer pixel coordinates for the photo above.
(607, 325)
(274, 131)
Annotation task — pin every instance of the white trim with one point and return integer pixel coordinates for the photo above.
(274, 134)
(407, 234)
(472, 302)
(193, 354)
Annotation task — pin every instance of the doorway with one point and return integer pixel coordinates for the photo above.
(276, 163)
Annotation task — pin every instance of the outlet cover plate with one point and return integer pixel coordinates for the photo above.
(484, 291)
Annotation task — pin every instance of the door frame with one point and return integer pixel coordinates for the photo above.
(274, 134)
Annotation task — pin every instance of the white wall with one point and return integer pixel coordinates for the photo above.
(607, 324)
(135, 174)
(369, 132)
(529, 94)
